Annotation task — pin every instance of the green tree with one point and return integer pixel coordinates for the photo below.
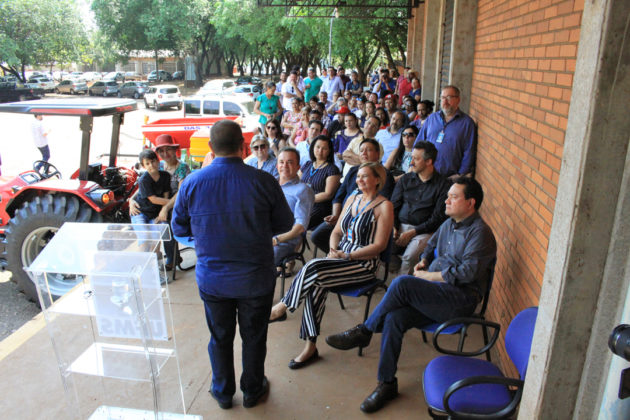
(39, 32)
(150, 25)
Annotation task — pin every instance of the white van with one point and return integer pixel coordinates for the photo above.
(222, 106)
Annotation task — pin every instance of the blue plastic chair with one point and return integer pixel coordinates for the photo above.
(463, 329)
(367, 289)
(468, 388)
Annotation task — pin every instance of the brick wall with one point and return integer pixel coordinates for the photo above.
(525, 55)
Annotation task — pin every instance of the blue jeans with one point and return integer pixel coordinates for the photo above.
(45, 151)
(253, 320)
(169, 246)
(411, 302)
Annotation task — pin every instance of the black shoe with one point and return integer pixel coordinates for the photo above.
(354, 337)
(250, 401)
(281, 318)
(297, 365)
(376, 400)
(224, 404)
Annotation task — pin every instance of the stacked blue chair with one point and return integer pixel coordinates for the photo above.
(462, 387)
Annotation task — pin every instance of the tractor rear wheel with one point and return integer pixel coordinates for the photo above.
(32, 227)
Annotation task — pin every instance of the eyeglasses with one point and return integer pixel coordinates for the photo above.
(406, 134)
(261, 147)
(271, 127)
(449, 97)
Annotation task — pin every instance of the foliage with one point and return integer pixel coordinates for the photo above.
(39, 32)
(238, 33)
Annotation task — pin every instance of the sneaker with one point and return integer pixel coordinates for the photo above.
(250, 401)
(358, 336)
(376, 400)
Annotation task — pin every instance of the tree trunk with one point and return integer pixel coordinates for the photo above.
(156, 60)
(390, 60)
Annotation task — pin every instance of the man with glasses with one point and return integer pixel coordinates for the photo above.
(419, 202)
(454, 135)
(390, 137)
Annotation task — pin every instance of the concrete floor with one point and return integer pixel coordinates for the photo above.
(334, 387)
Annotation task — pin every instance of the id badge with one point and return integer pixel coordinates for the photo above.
(440, 137)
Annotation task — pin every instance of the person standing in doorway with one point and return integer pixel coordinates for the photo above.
(40, 138)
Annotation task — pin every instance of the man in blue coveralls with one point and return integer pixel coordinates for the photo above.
(233, 211)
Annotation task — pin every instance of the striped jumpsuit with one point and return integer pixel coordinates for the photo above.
(311, 284)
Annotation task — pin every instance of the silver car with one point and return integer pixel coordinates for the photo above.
(104, 88)
(72, 87)
(132, 89)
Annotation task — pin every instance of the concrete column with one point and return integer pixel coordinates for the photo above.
(414, 38)
(463, 49)
(431, 49)
(582, 294)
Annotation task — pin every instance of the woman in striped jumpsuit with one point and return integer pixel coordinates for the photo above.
(359, 237)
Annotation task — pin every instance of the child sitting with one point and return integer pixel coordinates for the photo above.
(154, 190)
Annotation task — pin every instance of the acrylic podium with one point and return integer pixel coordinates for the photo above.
(113, 333)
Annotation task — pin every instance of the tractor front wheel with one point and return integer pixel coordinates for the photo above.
(30, 230)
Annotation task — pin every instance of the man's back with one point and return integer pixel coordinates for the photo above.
(233, 211)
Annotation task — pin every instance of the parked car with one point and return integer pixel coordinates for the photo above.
(248, 80)
(250, 90)
(132, 76)
(178, 75)
(104, 88)
(159, 76)
(41, 82)
(71, 87)
(133, 89)
(222, 106)
(92, 76)
(116, 76)
(217, 87)
(163, 96)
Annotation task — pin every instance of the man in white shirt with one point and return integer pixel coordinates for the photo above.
(291, 90)
(40, 138)
(389, 137)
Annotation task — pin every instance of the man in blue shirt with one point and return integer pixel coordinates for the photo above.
(454, 135)
(300, 198)
(448, 282)
(233, 211)
(385, 85)
(389, 137)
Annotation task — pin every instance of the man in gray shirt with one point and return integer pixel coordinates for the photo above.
(447, 283)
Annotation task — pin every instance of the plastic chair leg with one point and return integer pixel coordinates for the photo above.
(341, 302)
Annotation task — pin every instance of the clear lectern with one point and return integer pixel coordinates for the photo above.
(113, 333)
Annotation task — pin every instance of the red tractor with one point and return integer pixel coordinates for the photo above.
(35, 204)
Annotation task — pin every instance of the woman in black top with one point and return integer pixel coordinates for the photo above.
(323, 176)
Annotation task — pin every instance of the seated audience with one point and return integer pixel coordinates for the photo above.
(369, 152)
(262, 159)
(359, 237)
(300, 198)
(447, 283)
(400, 159)
(321, 174)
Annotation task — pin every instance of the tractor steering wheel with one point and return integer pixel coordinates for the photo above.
(46, 170)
